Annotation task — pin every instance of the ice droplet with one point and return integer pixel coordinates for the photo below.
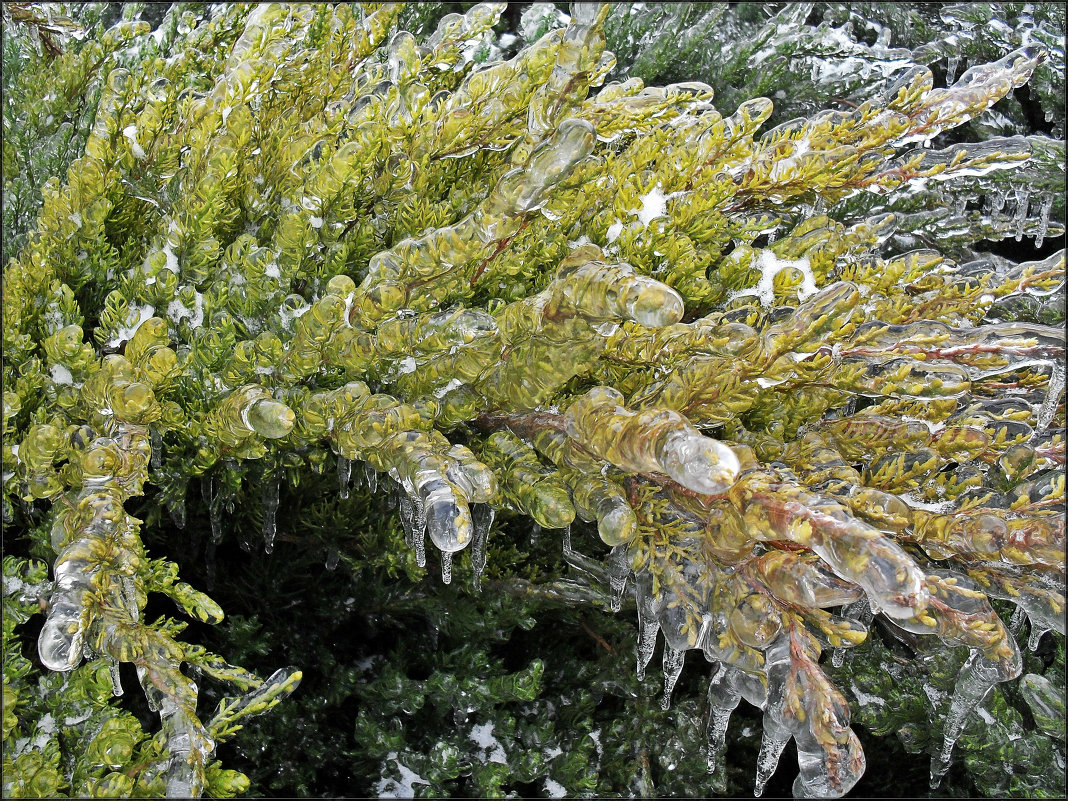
(673, 662)
(618, 572)
(446, 567)
(333, 556)
(344, 473)
(372, 478)
(535, 531)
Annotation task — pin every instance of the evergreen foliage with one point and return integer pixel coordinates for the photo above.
(779, 367)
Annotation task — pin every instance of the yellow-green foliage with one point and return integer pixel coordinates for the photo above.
(509, 284)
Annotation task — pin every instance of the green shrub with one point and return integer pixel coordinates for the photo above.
(293, 267)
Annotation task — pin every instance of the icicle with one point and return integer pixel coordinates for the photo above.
(1023, 197)
(535, 530)
(1043, 219)
(1000, 196)
(648, 625)
(859, 610)
(772, 743)
(1035, 637)
(214, 510)
(333, 556)
(568, 550)
(420, 550)
(129, 596)
(446, 567)
(418, 516)
(152, 695)
(673, 661)
(482, 515)
(156, 442)
(209, 565)
(372, 478)
(116, 680)
(952, 64)
(270, 510)
(618, 572)
(407, 515)
(1053, 397)
(1017, 621)
(344, 473)
(974, 682)
(177, 510)
(723, 699)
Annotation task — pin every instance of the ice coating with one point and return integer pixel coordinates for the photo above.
(448, 519)
(652, 440)
(697, 461)
(601, 291)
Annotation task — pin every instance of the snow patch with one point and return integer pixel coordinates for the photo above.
(130, 132)
(482, 735)
(404, 788)
(61, 375)
(771, 265)
(125, 334)
(555, 789)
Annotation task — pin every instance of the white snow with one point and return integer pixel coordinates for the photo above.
(125, 334)
(61, 375)
(392, 788)
(654, 204)
(771, 265)
(614, 230)
(865, 699)
(130, 132)
(177, 311)
(482, 735)
(555, 789)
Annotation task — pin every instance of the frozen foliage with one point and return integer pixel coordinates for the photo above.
(765, 350)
